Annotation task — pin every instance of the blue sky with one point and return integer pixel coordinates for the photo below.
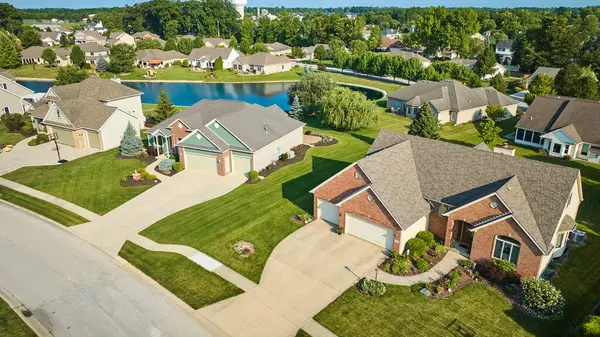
(330, 3)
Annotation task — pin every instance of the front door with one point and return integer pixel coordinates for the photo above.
(462, 233)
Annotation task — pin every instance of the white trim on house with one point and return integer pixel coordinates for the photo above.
(191, 133)
(351, 196)
(178, 119)
(236, 137)
(111, 116)
(450, 211)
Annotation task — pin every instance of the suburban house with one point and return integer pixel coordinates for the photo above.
(145, 35)
(216, 42)
(392, 44)
(34, 55)
(498, 68)
(158, 59)
(205, 57)
(223, 136)
(262, 63)
(95, 26)
(45, 26)
(93, 113)
(450, 100)
(504, 51)
(563, 126)
(116, 38)
(391, 33)
(552, 72)
(12, 95)
(89, 36)
(278, 49)
(93, 51)
(50, 39)
(407, 55)
(485, 204)
(309, 52)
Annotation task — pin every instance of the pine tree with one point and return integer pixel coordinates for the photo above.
(9, 57)
(218, 63)
(165, 108)
(77, 57)
(296, 110)
(131, 144)
(101, 64)
(233, 43)
(426, 124)
(490, 133)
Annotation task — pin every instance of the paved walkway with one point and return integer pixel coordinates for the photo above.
(449, 262)
(50, 198)
(315, 329)
(44, 154)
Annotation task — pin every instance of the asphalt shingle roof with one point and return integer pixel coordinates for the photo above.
(534, 191)
(91, 47)
(210, 53)
(6, 74)
(277, 46)
(505, 44)
(407, 55)
(157, 54)
(86, 112)
(94, 88)
(263, 59)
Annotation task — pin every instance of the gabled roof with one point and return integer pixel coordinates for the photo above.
(535, 192)
(505, 44)
(263, 59)
(252, 124)
(91, 33)
(464, 62)
(311, 49)
(552, 72)
(145, 35)
(277, 46)
(91, 47)
(578, 118)
(6, 74)
(157, 54)
(94, 88)
(32, 52)
(86, 112)
(51, 35)
(216, 41)
(210, 53)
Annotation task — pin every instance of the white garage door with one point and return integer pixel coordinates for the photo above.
(200, 162)
(328, 211)
(366, 230)
(242, 164)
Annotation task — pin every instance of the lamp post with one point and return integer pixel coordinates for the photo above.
(54, 137)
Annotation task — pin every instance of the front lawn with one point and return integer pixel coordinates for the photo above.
(41, 207)
(35, 71)
(383, 85)
(190, 282)
(11, 325)
(476, 310)
(9, 138)
(91, 182)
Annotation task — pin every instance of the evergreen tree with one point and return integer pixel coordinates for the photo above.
(499, 83)
(49, 56)
(77, 56)
(165, 108)
(171, 44)
(296, 110)
(426, 124)
(70, 74)
(245, 45)
(9, 57)
(101, 64)
(233, 43)
(486, 63)
(185, 46)
(218, 63)
(490, 133)
(131, 143)
(64, 40)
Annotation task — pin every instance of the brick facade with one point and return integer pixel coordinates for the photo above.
(177, 134)
(437, 224)
(342, 184)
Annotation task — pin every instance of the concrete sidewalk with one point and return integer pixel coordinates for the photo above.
(51, 199)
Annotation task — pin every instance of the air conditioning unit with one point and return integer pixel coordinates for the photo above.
(291, 154)
(577, 236)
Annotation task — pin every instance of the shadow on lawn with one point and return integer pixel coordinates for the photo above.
(298, 190)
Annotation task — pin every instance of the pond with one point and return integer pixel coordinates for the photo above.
(186, 94)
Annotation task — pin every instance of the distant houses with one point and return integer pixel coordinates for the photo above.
(262, 63)
(117, 38)
(277, 48)
(158, 59)
(504, 51)
(498, 68)
(205, 57)
(33, 55)
(93, 51)
(89, 36)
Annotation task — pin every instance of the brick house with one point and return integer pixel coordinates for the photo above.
(485, 204)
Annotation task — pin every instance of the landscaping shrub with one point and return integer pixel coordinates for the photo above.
(567, 157)
(400, 265)
(520, 113)
(371, 287)
(440, 250)
(308, 132)
(283, 157)
(453, 280)
(87, 66)
(131, 144)
(591, 328)
(505, 266)
(13, 122)
(26, 125)
(543, 298)
(467, 263)
(253, 175)
(166, 164)
(427, 237)
(177, 166)
(172, 156)
(416, 247)
(416, 288)
(422, 265)
(42, 138)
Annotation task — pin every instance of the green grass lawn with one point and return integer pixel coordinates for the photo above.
(35, 71)
(477, 310)
(302, 333)
(149, 109)
(11, 325)
(193, 284)
(9, 138)
(387, 86)
(91, 182)
(41, 207)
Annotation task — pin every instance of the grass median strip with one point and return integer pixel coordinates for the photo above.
(11, 324)
(41, 207)
(193, 284)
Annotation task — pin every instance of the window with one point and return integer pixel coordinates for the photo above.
(369, 197)
(584, 149)
(528, 135)
(560, 240)
(356, 175)
(536, 137)
(567, 148)
(556, 148)
(58, 113)
(520, 133)
(507, 249)
(441, 210)
(6, 110)
(4, 86)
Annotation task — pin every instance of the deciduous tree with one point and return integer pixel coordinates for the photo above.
(486, 63)
(49, 56)
(77, 56)
(499, 83)
(144, 44)
(122, 58)
(70, 74)
(171, 44)
(320, 53)
(9, 57)
(311, 88)
(345, 109)
(490, 133)
(30, 37)
(495, 112)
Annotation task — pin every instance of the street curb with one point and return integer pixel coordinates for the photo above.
(61, 226)
(31, 321)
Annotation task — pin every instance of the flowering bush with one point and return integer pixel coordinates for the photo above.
(543, 298)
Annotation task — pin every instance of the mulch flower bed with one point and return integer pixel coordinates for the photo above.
(299, 151)
(298, 220)
(146, 160)
(429, 256)
(325, 140)
(169, 173)
(132, 183)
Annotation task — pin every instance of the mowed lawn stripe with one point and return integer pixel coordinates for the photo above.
(92, 182)
(11, 325)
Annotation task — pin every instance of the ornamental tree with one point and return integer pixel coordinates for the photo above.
(426, 124)
(543, 298)
(131, 144)
(101, 64)
(495, 112)
(49, 56)
(490, 133)
(346, 109)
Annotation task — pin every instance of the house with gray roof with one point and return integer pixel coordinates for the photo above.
(224, 137)
(407, 55)
(552, 72)
(93, 51)
(278, 49)
(117, 38)
(13, 96)
(262, 63)
(487, 205)
(93, 113)
(215, 42)
(309, 52)
(469, 63)
(89, 36)
(563, 126)
(205, 57)
(450, 100)
(505, 51)
(50, 39)
(158, 59)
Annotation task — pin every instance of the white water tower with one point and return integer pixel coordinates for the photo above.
(239, 6)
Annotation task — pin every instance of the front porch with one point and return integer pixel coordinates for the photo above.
(161, 144)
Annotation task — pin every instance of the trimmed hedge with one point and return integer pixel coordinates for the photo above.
(427, 237)
(416, 247)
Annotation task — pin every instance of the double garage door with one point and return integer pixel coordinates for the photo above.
(201, 161)
(357, 226)
(64, 136)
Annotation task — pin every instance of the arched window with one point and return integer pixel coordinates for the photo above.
(507, 249)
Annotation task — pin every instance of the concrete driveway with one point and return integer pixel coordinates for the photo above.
(173, 194)
(305, 272)
(44, 154)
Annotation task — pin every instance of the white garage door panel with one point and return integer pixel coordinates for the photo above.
(328, 211)
(368, 231)
(199, 162)
(242, 164)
